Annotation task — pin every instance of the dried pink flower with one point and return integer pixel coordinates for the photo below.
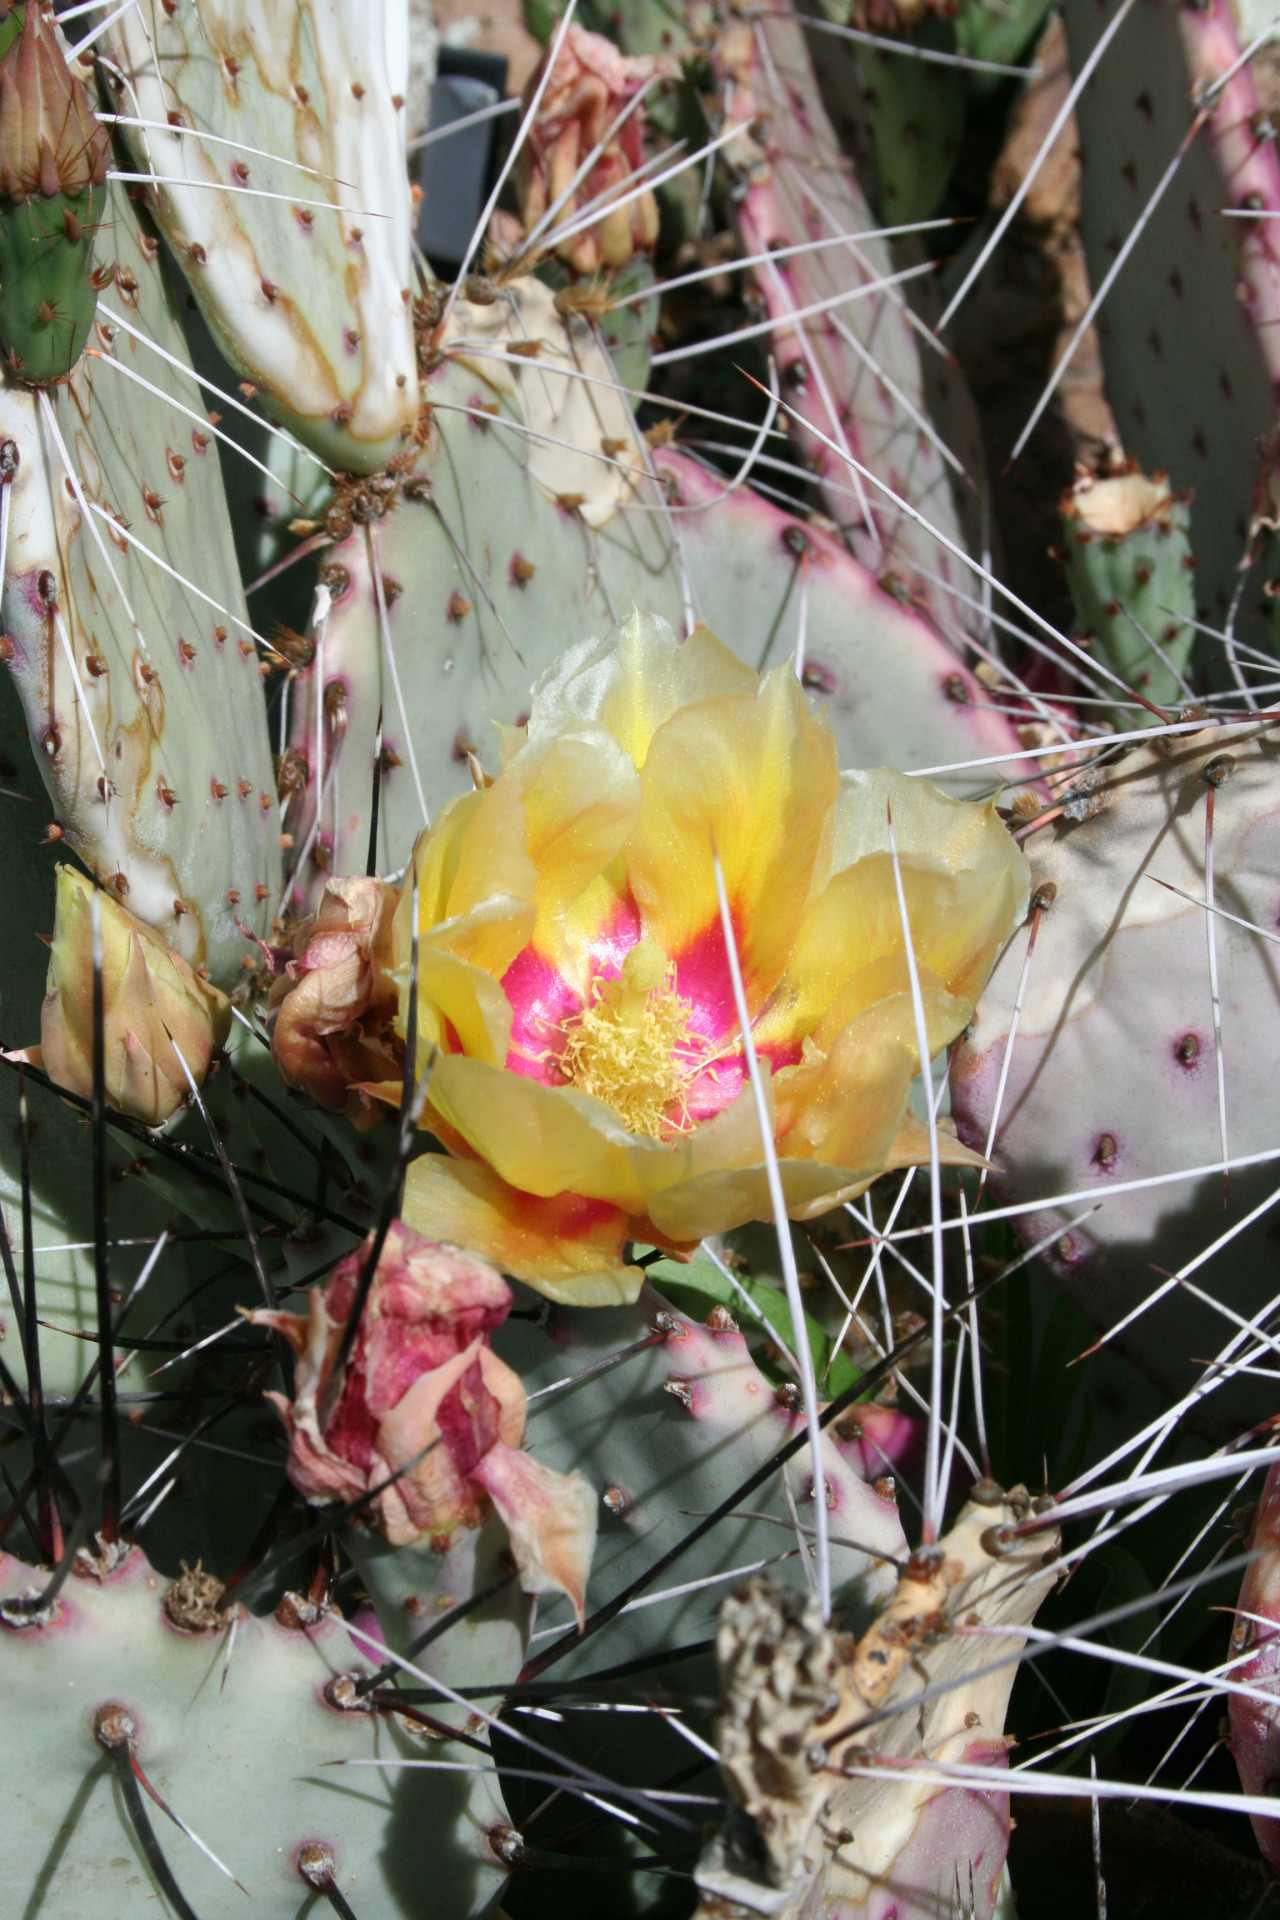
(426, 1412)
(332, 1010)
(590, 87)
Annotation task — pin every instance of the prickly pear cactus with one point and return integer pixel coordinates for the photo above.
(425, 1676)
(1118, 1073)
(818, 1742)
(907, 113)
(853, 369)
(58, 1184)
(140, 1687)
(128, 637)
(291, 220)
(512, 536)
(1129, 567)
(681, 1417)
(1188, 331)
(53, 169)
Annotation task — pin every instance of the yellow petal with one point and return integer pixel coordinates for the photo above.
(718, 1202)
(965, 883)
(887, 982)
(493, 852)
(582, 796)
(959, 935)
(435, 862)
(732, 1139)
(844, 1107)
(550, 1140)
(756, 776)
(635, 679)
(475, 887)
(567, 1248)
(911, 1146)
(469, 998)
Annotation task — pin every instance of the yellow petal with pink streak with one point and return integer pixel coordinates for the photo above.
(756, 776)
(568, 1248)
(635, 679)
(518, 861)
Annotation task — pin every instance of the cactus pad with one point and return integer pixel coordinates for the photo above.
(307, 289)
(128, 637)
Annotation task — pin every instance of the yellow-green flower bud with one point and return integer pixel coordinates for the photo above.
(154, 1005)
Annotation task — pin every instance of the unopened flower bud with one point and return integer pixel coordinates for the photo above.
(154, 1006)
(50, 140)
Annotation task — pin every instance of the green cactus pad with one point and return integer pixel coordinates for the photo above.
(667, 1433)
(1189, 327)
(1129, 567)
(47, 300)
(300, 265)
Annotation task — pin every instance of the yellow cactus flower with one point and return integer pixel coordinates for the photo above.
(151, 998)
(587, 1072)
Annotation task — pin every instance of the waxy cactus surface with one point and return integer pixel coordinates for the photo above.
(626, 1547)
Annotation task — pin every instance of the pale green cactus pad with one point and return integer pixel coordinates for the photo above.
(668, 1432)
(131, 646)
(240, 1740)
(1113, 1076)
(292, 221)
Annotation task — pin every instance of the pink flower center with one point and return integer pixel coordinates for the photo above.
(656, 1037)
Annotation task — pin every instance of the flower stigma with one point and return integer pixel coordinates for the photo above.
(633, 1045)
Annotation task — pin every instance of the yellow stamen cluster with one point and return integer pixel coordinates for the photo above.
(633, 1047)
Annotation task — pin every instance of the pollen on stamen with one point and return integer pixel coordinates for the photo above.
(633, 1045)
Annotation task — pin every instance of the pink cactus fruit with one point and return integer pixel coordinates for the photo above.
(427, 1414)
(1255, 1728)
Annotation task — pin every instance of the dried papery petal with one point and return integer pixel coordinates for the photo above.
(427, 1418)
(331, 1012)
(551, 1518)
(590, 86)
(436, 1439)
